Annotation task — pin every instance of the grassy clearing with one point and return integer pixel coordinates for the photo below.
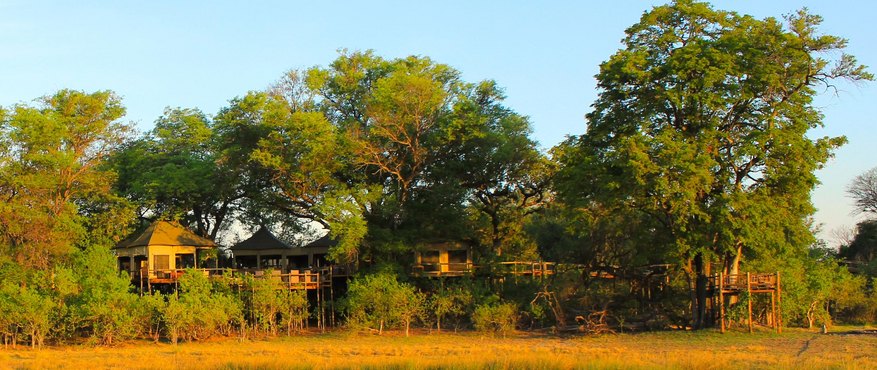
(796, 349)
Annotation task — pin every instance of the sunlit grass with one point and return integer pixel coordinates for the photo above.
(796, 349)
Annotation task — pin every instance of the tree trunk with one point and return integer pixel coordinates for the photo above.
(700, 291)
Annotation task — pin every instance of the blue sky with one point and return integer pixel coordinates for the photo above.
(200, 54)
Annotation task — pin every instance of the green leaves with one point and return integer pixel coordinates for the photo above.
(700, 127)
(54, 173)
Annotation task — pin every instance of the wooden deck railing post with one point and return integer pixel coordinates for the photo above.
(773, 309)
(722, 301)
(779, 318)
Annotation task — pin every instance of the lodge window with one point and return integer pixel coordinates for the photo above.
(457, 260)
(430, 260)
(162, 262)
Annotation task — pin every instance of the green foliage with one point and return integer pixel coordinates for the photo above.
(497, 317)
(426, 150)
(175, 172)
(104, 303)
(293, 308)
(380, 300)
(863, 248)
(699, 135)
(52, 174)
(199, 312)
(449, 302)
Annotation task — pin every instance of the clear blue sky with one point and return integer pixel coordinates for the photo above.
(203, 53)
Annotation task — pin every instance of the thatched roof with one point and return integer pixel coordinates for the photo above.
(261, 240)
(326, 241)
(165, 233)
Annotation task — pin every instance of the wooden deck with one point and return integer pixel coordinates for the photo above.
(721, 285)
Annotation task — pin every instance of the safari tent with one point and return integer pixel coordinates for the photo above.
(162, 250)
(261, 251)
(443, 259)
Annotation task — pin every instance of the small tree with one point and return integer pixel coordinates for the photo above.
(293, 308)
(449, 301)
(497, 317)
(176, 316)
(264, 302)
(104, 304)
(379, 300)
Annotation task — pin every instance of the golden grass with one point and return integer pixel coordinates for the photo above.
(797, 349)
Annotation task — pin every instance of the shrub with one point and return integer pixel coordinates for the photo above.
(381, 300)
(496, 317)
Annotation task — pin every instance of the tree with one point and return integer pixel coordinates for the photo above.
(862, 250)
(103, 304)
(53, 173)
(175, 172)
(863, 190)
(700, 128)
(425, 150)
(381, 300)
(505, 175)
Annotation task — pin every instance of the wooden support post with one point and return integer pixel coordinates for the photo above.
(722, 301)
(773, 309)
(749, 290)
(779, 318)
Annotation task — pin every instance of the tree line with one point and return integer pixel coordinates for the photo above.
(695, 157)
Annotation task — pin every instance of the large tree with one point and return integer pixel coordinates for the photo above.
(52, 174)
(174, 172)
(701, 127)
(426, 147)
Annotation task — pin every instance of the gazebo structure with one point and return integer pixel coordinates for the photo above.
(262, 251)
(314, 253)
(158, 254)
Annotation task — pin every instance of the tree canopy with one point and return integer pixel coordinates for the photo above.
(701, 129)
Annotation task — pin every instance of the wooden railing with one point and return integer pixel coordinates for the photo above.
(530, 268)
(294, 279)
(442, 269)
(734, 283)
(466, 268)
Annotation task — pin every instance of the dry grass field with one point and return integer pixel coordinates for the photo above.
(795, 349)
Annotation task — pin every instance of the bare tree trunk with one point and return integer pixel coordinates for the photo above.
(734, 269)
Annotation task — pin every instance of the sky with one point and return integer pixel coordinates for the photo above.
(201, 54)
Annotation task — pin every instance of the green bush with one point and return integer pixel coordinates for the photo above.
(380, 300)
(497, 317)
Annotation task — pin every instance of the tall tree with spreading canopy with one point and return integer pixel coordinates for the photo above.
(426, 146)
(176, 171)
(701, 128)
(52, 174)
